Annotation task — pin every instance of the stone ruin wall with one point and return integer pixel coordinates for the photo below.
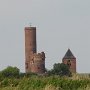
(37, 63)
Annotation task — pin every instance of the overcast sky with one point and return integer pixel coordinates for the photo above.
(61, 24)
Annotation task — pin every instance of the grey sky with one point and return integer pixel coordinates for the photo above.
(61, 24)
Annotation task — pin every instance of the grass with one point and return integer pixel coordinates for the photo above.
(76, 82)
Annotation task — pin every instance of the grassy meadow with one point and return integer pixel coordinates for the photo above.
(34, 82)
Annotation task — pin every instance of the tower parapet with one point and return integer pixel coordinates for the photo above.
(37, 63)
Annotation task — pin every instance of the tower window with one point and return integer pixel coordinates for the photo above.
(34, 50)
(69, 63)
(26, 65)
(38, 67)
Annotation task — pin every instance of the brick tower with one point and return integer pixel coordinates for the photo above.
(70, 60)
(34, 62)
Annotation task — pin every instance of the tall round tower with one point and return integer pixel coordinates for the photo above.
(34, 62)
(30, 45)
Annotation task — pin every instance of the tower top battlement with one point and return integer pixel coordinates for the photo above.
(38, 56)
(30, 28)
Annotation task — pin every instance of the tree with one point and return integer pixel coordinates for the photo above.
(10, 72)
(60, 69)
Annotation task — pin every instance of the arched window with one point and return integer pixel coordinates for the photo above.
(69, 63)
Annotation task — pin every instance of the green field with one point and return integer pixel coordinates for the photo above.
(33, 82)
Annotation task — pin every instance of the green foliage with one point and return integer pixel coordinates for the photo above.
(45, 83)
(21, 75)
(10, 72)
(32, 81)
(60, 69)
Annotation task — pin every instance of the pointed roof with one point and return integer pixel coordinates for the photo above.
(69, 55)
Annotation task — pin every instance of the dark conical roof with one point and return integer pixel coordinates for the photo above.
(69, 55)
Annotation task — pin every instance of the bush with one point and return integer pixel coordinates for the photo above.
(10, 72)
(60, 69)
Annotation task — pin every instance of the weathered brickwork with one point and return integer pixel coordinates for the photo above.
(38, 63)
(34, 62)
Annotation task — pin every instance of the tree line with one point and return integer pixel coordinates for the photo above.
(60, 69)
